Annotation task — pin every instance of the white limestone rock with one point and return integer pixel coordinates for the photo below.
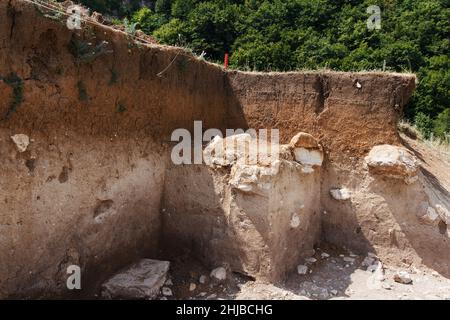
(393, 162)
(22, 141)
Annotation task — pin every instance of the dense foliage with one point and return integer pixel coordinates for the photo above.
(309, 34)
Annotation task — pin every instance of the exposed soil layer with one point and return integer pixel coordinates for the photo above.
(95, 179)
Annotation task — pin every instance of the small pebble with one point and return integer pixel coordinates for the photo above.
(310, 260)
(166, 291)
(302, 269)
(202, 279)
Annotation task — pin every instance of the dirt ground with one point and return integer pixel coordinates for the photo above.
(341, 275)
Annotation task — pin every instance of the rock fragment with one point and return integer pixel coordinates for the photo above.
(202, 279)
(219, 273)
(430, 217)
(295, 221)
(303, 140)
(22, 141)
(393, 162)
(311, 260)
(142, 280)
(402, 277)
(324, 255)
(367, 262)
(168, 282)
(443, 213)
(166, 291)
(307, 151)
(340, 193)
(302, 269)
(349, 259)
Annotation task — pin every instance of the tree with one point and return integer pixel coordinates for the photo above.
(308, 34)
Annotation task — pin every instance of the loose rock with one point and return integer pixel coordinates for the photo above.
(311, 260)
(169, 282)
(324, 255)
(340, 194)
(443, 213)
(22, 141)
(304, 140)
(166, 291)
(349, 259)
(302, 269)
(142, 280)
(219, 273)
(402, 277)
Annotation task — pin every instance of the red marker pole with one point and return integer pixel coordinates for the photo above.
(226, 61)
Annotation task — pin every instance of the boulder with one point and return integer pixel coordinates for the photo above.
(302, 269)
(307, 151)
(393, 162)
(142, 280)
(166, 291)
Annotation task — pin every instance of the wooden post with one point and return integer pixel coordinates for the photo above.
(226, 61)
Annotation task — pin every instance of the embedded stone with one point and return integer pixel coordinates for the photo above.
(393, 162)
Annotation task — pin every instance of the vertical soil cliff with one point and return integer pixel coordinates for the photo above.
(95, 179)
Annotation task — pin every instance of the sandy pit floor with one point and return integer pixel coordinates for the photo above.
(336, 274)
